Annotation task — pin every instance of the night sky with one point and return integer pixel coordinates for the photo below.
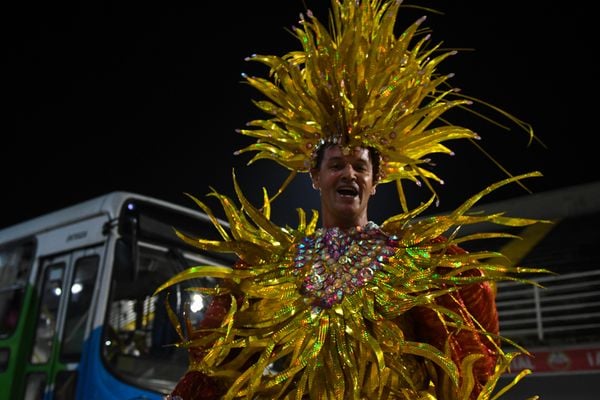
(146, 97)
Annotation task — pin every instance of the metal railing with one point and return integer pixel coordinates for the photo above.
(565, 309)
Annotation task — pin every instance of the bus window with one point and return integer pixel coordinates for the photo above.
(35, 386)
(66, 382)
(15, 264)
(47, 314)
(80, 298)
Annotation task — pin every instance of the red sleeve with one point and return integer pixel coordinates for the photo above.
(196, 385)
(473, 302)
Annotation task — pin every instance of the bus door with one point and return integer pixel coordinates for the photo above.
(66, 289)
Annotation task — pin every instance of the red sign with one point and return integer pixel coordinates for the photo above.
(559, 360)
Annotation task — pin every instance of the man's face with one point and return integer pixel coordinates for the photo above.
(346, 183)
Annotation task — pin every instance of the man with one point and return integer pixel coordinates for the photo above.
(353, 275)
(349, 309)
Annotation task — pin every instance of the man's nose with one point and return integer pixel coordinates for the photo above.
(349, 172)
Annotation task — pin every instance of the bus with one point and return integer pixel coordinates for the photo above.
(78, 318)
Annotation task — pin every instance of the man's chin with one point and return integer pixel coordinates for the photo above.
(349, 209)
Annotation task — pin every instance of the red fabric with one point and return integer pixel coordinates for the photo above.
(196, 385)
(479, 300)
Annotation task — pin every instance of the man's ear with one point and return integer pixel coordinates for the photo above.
(373, 190)
(314, 177)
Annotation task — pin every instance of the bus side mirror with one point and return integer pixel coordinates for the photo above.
(127, 261)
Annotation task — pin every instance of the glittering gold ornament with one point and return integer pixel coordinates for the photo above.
(329, 306)
(358, 84)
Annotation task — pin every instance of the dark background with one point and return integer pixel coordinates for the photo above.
(146, 97)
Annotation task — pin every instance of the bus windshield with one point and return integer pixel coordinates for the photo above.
(139, 338)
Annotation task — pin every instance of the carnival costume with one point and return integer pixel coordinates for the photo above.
(396, 311)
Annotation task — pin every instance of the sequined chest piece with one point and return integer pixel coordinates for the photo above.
(338, 262)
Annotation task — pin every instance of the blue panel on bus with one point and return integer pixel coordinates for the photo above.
(97, 383)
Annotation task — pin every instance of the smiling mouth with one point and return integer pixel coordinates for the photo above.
(348, 191)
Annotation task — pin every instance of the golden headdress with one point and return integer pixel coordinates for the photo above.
(357, 84)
